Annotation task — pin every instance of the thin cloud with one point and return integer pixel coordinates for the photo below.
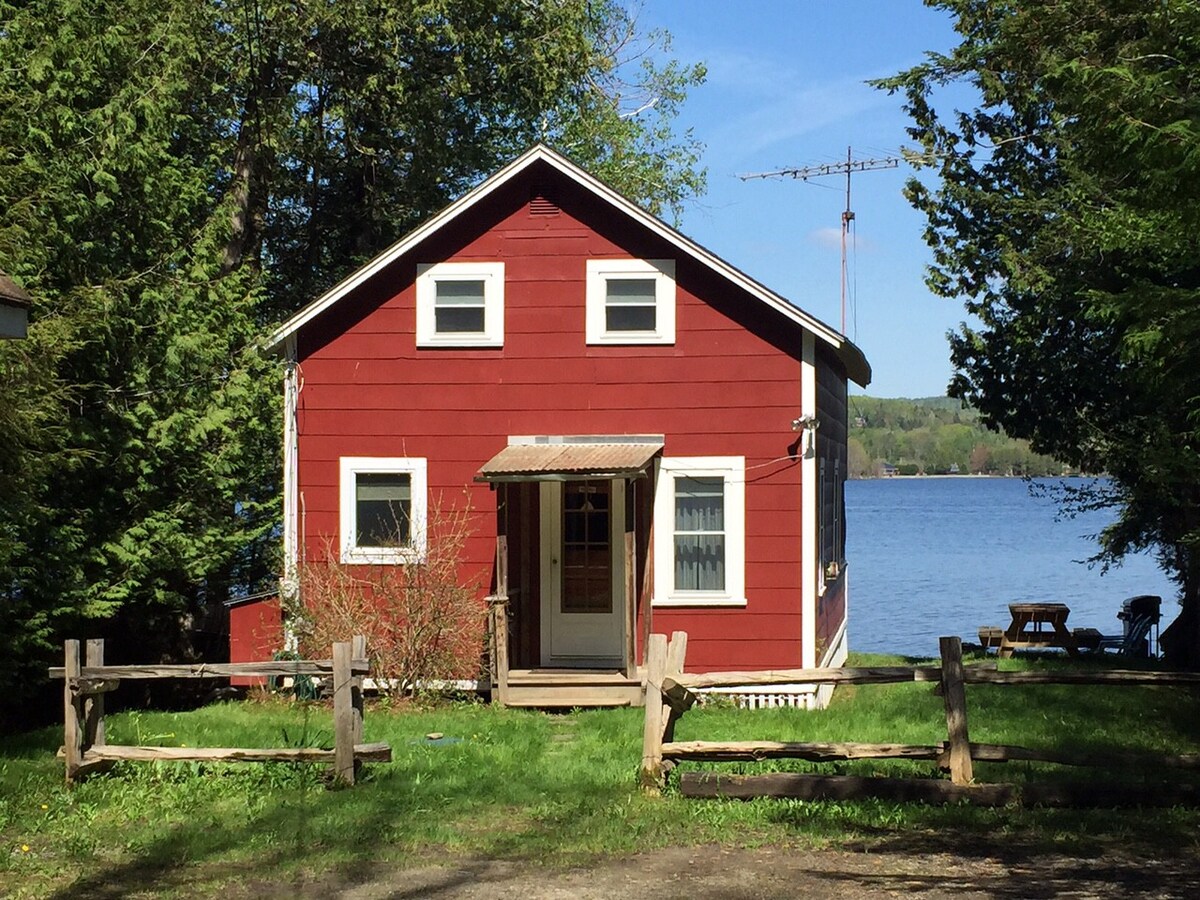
(775, 107)
(831, 238)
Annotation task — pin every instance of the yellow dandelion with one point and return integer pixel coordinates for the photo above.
(24, 848)
(45, 806)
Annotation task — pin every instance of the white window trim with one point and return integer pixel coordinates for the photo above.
(732, 469)
(350, 468)
(663, 273)
(492, 276)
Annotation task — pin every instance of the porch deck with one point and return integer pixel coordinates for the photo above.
(572, 687)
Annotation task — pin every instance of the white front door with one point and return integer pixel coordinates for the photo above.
(583, 572)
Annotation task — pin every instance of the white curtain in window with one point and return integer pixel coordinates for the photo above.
(699, 534)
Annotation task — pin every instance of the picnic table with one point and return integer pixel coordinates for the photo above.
(1033, 625)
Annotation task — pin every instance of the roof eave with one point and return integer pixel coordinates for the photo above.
(12, 294)
(406, 243)
(857, 367)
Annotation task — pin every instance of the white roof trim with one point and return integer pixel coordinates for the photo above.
(852, 357)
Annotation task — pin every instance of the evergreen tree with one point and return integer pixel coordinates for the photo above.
(1066, 217)
(175, 176)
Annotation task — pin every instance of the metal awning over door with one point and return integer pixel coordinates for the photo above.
(569, 461)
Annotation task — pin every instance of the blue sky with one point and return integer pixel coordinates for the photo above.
(786, 88)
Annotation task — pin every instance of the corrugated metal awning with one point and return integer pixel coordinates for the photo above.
(560, 462)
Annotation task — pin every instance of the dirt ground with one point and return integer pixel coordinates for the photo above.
(708, 873)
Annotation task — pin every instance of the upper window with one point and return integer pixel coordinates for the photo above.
(700, 532)
(631, 301)
(460, 304)
(383, 509)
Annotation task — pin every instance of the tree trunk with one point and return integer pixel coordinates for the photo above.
(241, 230)
(1180, 641)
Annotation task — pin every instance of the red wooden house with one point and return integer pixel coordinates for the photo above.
(655, 441)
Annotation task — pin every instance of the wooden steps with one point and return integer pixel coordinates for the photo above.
(554, 688)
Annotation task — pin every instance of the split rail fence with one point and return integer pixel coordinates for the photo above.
(670, 693)
(86, 750)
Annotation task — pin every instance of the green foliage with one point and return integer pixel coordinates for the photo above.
(935, 436)
(142, 482)
(359, 121)
(175, 177)
(1063, 220)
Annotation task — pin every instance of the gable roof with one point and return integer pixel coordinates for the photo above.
(11, 293)
(850, 355)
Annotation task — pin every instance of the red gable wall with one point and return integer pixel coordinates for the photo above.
(725, 387)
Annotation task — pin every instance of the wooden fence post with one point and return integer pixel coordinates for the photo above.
(954, 695)
(498, 643)
(93, 706)
(656, 666)
(73, 725)
(358, 650)
(343, 714)
(676, 655)
(498, 624)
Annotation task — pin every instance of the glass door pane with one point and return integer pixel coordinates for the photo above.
(587, 547)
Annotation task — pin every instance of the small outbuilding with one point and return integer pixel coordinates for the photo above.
(14, 309)
(648, 439)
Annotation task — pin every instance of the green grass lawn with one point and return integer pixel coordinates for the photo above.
(549, 789)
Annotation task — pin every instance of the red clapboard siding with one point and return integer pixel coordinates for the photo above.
(730, 385)
(784, 576)
(736, 415)
(765, 651)
(732, 624)
(255, 634)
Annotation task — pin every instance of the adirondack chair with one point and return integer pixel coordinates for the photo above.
(1140, 638)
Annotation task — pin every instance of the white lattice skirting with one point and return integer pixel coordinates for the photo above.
(788, 696)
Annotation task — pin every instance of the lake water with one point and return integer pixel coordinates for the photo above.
(939, 556)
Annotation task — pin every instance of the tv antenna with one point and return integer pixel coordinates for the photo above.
(846, 168)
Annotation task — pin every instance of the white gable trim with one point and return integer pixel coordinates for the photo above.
(854, 360)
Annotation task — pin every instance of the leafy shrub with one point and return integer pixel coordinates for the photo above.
(422, 624)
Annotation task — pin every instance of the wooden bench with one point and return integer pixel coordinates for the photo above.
(990, 636)
(1037, 626)
(1088, 638)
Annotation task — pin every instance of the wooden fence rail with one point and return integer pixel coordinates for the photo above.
(281, 668)
(954, 755)
(86, 750)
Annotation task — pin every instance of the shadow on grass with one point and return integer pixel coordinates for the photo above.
(479, 798)
(342, 833)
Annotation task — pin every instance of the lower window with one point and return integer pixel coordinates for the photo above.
(700, 532)
(382, 509)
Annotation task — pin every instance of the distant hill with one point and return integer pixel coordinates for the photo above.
(933, 436)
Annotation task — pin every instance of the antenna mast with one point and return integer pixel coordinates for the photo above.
(839, 168)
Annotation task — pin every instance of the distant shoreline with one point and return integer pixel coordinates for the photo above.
(959, 477)
(920, 477)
